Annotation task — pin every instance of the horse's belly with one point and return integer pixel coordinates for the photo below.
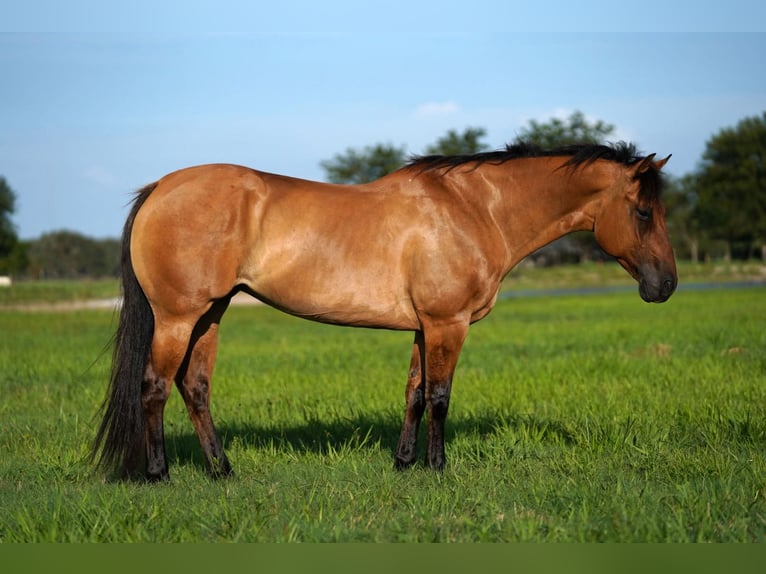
(360, 296)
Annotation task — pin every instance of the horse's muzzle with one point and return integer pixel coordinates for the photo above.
(657, 290)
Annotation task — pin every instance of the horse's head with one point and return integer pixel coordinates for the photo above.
(630, 226)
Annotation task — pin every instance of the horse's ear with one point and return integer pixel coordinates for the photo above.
(659, 164)
(644, 165)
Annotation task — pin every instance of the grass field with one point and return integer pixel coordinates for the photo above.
(37, 292)
(590, 418)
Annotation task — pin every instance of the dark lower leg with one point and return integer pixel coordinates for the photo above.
(443, 344)
(154, 396)
(438, 403)
(406, 451)
(171, 339)
(195, 390)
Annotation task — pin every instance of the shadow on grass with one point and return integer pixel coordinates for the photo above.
(380, 431)
(364, 432)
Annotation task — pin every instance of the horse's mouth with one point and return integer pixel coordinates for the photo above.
(657, 293)
(654, 286)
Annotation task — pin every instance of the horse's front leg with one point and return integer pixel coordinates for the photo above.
(443, 345)
(415, 401)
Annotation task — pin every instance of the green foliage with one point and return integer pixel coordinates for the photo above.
(731, 184)
(573, 130)
(369, 164)
(573, 419)
(684, 227)
(68, 254)
(8, 238)
(454, 143)
(373, 162)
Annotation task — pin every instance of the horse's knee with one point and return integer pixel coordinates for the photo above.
(438, 400)
(416, 400)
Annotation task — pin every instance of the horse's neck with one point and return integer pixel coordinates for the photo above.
(538, 203)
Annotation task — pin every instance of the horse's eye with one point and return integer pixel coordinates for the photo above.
(643, 213)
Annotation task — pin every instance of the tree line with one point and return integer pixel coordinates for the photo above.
(63, 254)
(57, 255)
(718, 211)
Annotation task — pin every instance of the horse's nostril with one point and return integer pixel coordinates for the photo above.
(668, 286)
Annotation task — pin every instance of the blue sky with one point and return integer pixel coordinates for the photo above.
(98, 100)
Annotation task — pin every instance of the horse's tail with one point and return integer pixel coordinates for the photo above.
(119, 442)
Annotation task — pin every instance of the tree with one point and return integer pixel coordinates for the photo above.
(372, 163)
(680, 198)
(557, 132)
(731, 186)
(8, 238)
(454, 143)
(69, 255)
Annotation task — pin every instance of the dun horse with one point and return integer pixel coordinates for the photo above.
(422, 249)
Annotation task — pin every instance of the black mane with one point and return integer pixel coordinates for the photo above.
(620, 152)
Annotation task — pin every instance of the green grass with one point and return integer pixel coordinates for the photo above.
(595, 418)
(55, 291)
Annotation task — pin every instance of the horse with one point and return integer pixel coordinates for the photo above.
(422, 249)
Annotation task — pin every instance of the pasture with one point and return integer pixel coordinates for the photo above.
(573, 418)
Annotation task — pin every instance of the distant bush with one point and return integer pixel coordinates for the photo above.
(71, 255)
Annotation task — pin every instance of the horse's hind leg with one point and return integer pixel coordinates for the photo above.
(194, 385)
(169, 347)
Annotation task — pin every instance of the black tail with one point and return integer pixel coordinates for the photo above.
(119, 442)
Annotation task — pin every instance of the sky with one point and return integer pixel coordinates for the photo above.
(100, 98)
